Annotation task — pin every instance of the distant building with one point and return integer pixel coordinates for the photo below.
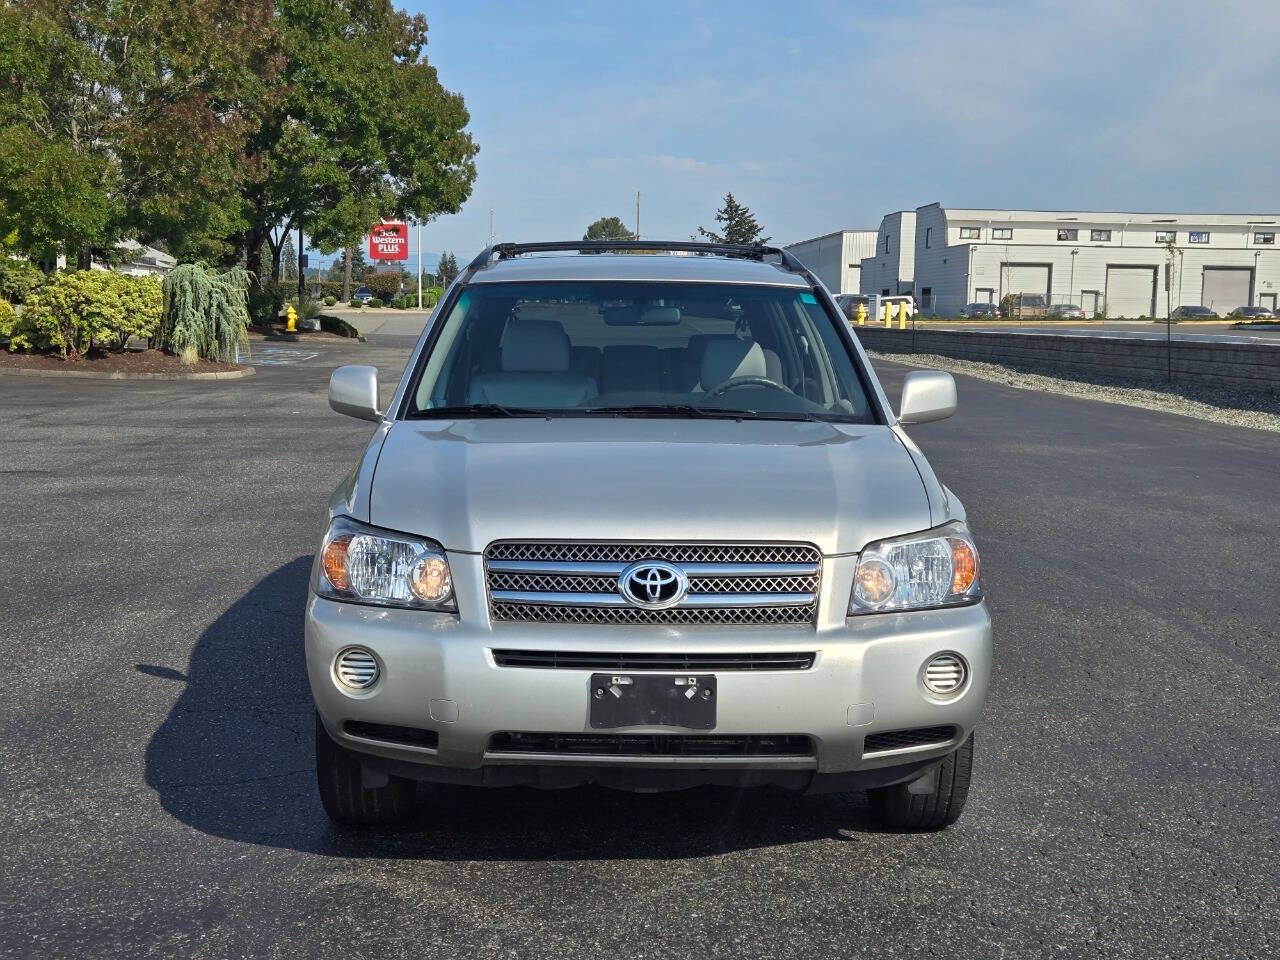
(1111, 264)
(143, 261)
(890, 269)
(836, 258)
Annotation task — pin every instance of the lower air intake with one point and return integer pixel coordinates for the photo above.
(905, 739)
(651, 745)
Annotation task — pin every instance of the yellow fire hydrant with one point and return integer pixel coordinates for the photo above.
(290, 319)
(862, 314)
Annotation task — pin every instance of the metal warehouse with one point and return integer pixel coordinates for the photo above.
(1111, 264)
(836, 258)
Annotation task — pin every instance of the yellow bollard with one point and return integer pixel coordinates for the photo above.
(902, 316)
(862, 314)
(887, 321)
(290, 319)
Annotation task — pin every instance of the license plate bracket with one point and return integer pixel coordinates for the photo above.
(653, 700)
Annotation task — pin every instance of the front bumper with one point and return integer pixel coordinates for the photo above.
(438, 674)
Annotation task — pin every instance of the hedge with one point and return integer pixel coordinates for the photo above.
(72, 311)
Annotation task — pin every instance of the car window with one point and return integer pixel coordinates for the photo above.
(587, 348)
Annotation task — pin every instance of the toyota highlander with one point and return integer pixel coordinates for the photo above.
(641, 515)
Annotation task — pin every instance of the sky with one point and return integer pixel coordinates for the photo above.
(821, 116)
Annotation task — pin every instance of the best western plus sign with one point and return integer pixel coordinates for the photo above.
(389, 241)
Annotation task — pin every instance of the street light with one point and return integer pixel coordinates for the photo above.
(1071, 287)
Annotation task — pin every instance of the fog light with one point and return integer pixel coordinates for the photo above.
(945, 674)
(356, 669)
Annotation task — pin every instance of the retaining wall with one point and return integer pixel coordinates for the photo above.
(1244, 365)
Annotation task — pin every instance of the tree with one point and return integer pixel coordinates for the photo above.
(608, 228)
(288, 260)
(737, 222)
(447, 268)
(384, 284)
(363, 129)
(124, 120)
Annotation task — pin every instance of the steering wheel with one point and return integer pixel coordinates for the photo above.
(749, 380)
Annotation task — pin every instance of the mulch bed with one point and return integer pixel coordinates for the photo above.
(141, 361)
(277, 330)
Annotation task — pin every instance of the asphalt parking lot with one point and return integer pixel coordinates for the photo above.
(1118, 330)
(155, 739)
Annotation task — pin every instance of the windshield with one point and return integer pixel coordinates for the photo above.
(593, 348)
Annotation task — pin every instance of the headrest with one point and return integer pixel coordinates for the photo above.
(535, 346)
(725, 359)
(698, 344)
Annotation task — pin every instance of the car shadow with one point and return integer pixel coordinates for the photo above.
(234, 759)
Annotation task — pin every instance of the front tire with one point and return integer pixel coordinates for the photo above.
(896, 808)
(343, 793)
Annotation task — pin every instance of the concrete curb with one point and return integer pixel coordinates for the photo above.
(120, 375)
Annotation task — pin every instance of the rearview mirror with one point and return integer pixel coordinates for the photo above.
(353, 392)
(927, 395)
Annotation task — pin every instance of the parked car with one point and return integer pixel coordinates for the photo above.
(1193, 313)
(980, 310)
(1252, 313)
(1028, 305)
(646, 522)
(362, 296)
(848, 304)
(1066, 311)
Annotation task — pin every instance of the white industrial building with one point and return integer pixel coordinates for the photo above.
(1111, 264)
(836, 258)
(890, 270)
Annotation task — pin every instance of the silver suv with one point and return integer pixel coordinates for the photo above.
(644, 518)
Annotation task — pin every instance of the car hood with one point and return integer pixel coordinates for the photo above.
(466, 483)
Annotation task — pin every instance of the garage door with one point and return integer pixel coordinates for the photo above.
(1131, 292)
(1026, 278)
(1226, 288)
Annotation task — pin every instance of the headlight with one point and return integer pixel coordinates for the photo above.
(937, 568)
(363, 564)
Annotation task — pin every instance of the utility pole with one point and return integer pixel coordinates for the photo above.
(637, 214)
(1071, 287)
(302, 273)
(419, 264)
(490, 226)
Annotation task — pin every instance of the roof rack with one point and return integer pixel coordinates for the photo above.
(747, 251)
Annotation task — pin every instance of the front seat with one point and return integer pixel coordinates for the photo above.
(535, 370)
(725, 359)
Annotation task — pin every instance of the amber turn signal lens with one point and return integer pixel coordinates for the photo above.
(964, 564)
(335, 562)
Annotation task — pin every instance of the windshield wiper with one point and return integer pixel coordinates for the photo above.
(476, 410)
(659, 410)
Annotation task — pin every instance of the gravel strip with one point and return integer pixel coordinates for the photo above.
(1238, 408)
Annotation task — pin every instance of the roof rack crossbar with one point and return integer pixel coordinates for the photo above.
(749, 251)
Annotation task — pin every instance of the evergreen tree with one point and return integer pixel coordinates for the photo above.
(288, 260)
(447, 269)
(608, 228)
(737, 222)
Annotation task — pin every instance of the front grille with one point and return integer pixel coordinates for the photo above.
(651, 745)
(391, 733)
(681, 662)
(902, 739)
(729, 583)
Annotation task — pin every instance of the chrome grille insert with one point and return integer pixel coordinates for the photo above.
(578, 582)
(892, 741)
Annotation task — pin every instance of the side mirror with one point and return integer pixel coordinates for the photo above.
(927, 395)
(353, 392)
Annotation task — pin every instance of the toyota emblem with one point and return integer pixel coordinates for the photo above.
(653, 585)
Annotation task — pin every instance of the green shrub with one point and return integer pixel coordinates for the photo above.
(8, 319)
(266, 302)
(375, 302)
(330, 300)
(18, 279)
(431, 296)
(205, 313)
(75, 309)
(338, 325)
(309, 308)
(384, 285)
